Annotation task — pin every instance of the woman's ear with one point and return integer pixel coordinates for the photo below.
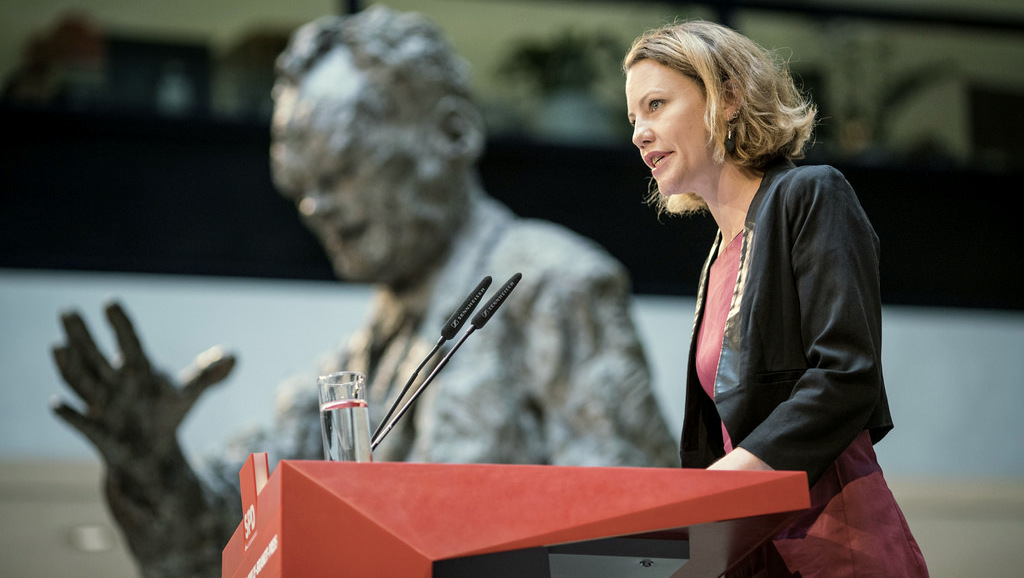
(732, 98)
(460, 129)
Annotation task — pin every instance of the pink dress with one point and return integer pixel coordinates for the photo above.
(721, 285)
(854, 528)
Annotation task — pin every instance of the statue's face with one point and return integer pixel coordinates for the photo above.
(357, 176)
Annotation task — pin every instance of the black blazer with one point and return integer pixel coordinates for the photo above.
(800, 374)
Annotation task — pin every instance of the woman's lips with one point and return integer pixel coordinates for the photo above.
(656, 161)
(652, 158)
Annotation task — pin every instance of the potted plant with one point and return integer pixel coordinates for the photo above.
(564, 72)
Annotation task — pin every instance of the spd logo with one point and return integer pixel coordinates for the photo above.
(249, 522)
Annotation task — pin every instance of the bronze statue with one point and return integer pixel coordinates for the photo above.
(376, 138)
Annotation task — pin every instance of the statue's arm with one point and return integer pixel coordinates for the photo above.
(130, 412)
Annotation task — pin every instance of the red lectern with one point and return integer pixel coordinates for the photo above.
(313, 519)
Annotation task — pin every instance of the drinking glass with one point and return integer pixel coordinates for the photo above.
(344, 417)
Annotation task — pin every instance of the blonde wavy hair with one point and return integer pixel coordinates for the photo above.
(774, 120)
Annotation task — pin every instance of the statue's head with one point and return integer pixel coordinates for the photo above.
(374, 136)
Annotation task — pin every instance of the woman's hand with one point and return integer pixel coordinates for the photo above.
(740, 459)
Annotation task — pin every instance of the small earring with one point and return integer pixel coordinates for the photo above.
(730, 143)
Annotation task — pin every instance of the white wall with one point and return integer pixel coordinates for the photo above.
(275, 328)
(955, 378)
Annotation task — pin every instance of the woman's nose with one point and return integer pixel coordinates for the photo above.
(642, 134)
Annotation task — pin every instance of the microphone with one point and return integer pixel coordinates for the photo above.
(481, 318)
(459, 317)
(451, 327)
(488, 311)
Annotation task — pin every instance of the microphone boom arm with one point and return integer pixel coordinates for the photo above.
(478, 321)
(383, 430)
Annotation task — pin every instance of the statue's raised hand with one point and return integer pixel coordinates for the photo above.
(131, 412)
(131, 408)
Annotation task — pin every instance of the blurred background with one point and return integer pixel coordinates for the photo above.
(133, 165)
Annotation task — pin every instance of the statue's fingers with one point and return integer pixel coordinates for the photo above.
(80, 340)
(134, 357)
(87, 427)
(210, 367)
(138, 379)
(69, 363)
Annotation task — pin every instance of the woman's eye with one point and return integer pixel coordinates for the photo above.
(656, 104)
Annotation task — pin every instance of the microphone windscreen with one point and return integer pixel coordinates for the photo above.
(458, 318)
(488, 311)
